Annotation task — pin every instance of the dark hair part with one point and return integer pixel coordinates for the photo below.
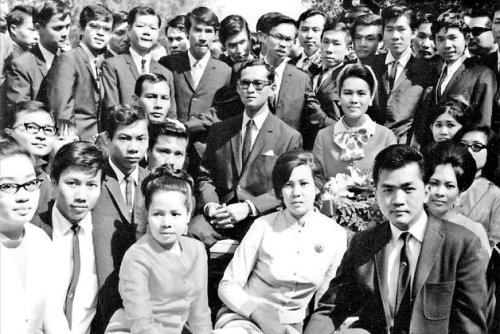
(263, 21)
(395, 157)
(393, 13)
(95, 13)
(310, 13)
(122, 115)
(165, 129)
(335, 25)
(178, 22)
(141, 10)
(286, 163)
(232, 25)
(18, 15)
(27, 107)
(276, 20)
(258, 62)
(80, 155)
(202, 15)
(47, 9)
(367, 20)
(454, 154)
(421, 18)
(458, 107)
(119, 17)
(167, 179)
(9, 148)
(151, 78)
(449, 20)
(357, 71)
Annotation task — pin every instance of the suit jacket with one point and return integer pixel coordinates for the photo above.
(73, 92)
(119, 75)
(491, 61)
(449, 287)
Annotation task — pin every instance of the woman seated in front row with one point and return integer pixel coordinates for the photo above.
(285, 257)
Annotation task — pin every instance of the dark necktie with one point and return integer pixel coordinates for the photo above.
(392, 75)
(143, 66)
(129, 191)
(70, 295)
(443, 75)
(403, 306)
(247, 142)
(305, 63)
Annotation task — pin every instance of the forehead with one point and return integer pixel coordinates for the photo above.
(475, 136)
(355, 83)
(449, 32)
(138, 128)
(425, 27)
(401, 21)
(81, 173)
(313, 21)
(445, 117)
(334, 35)
(301, 172)
(480, 21)
(101, 22)
(38, 117)
(408, 174)
(166, 141)
(285, 29)
(242, 35)
(254, 72)
(363, 30)
(201, 25)
(59, 19)
(27, 21)
(121, 26)
(496, 15)
(174, 32)
(444, 172)
(146, 19)
(157, 87)
(16, 166)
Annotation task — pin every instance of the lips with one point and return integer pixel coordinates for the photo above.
(156, 114)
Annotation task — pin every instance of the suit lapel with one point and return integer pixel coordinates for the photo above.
(85, 59)
(287, 76)
(186, 70)
(40, 61)
(381, 270)
(456, 77)
(131, 65)
(236, 144)
(205, 78)
(260, 141)
(403, 76)
(111, 182)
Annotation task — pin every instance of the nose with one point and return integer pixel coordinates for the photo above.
(396, 35)
(40, 134)
(133, 147)
(81, 194)
(439, 190)
(158, 104)
(398, 197)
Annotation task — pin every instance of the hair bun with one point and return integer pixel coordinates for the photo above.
(166, 170)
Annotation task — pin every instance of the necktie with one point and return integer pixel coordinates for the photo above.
(143, 66)
(70, 295)
(247, 142)
(97, 72)
(392, 74)
(129, 191)
(440, 88)
(403, 295)
(305, 63)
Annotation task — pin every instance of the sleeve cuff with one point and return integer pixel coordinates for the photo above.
(253, 209)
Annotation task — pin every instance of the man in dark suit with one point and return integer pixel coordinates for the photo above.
(21, 29)
(366, 33)
(120, 73)
(234, 184)
(25, 73)
(413, 274)
(73, 81)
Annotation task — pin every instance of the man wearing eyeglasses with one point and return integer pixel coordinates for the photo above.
(73, 81)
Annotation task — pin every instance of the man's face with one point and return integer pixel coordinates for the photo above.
(201, 38)
(238, 46)
(155, 100)
(481, 37)
(39, 144)
(25, 34)
(279, 42)
(177, 40)
(96, 35)
(496, 26)
(54, 35)
(119, 39)
(252, 97)
(77, 193)
(143, 34)
(450, 44)
(310, 33)
(168, 150)
(129, 145)
(398, 35)
(401, 195)
(366, 40)
(333, 48)
(423, 44)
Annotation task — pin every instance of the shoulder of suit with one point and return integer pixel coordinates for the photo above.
(118, 59)
(283, 127)
(296, 71)
(25, 58)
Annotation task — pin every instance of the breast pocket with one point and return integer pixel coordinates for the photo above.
(437, 300)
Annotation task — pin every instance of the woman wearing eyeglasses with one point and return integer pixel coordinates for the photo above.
(481, 202)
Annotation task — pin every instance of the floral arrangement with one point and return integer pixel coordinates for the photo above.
(350, 200)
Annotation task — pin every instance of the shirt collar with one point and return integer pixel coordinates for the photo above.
(138, 58)
(47, 55)
(120, 176)
(403, 59)
(310, 216)
(280, 69)
(201, 62)
(454, 67)
(62, 226)
(258, 119)
(88, 52)
(417, 230)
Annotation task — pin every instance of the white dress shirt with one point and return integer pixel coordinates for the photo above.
(47, 56)
(402, 61)
(451, 70)
(258, 119)
(198, 66)
(278, 76)
(138, 60)
(92, 58)
(314, 58)
(123, 183)
(85, 301)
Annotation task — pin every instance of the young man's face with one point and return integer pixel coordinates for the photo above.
(401, 195)
(398, 35)
(119, 38)
(496, 26)
(96, 35)
(54, 35)
(366, 40)
(253, 98)
(25, 34)
(129, 145)
(39, 143)
(168, 150)
(333, 48)
(450, 44)
(144, 32)
(481, 37)
(155, 100)
(279, 42)
(423, 44)
(77, 193)
(177, 40)
(201, 38)
(238, 46)
(310, 33)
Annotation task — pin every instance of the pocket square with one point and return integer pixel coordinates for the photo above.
(269, 153)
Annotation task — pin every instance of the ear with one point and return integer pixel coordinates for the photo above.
(135, 98)
(427, 189)
(8, 132)
(467, 39)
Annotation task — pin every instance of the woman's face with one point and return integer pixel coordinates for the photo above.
(168, 217)
(480, 140)
(355, 98)
(299, 192)
(19, 208)
(444, 127)
(443, 190)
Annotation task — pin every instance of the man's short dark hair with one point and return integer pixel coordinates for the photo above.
(80, 155)
(28, 107)
(262, 22)
(336, 25)
(447, 21)
(165, 129)
(367, 20)
(122, 115)
(141, 10)
(95, 13)
(395, 157)
(393, 13)
(119, 17)
(151, 78)
(421, 18)
(18, 15)
(202, 15)
(46, 10)
(309, 13)
(232, 25)
(178, 22)
(276, 20)
(483, 12)
(258, 62)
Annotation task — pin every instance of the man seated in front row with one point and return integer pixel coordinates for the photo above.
(413, 274)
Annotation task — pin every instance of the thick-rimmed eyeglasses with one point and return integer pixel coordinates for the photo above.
(13, 188)
(475, 147)
(34, 128)
(281, 38)
(96, 27)
(257, 84)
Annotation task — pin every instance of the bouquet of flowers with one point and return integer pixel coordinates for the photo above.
(350, 200)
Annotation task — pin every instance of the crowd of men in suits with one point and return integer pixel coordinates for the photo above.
(226, 117)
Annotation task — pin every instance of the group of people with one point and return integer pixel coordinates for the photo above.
(124, 162)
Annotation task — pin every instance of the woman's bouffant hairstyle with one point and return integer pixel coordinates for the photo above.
(287, 162)
(458, 107)
(9, 148)
(168, 179)
(358, 71)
